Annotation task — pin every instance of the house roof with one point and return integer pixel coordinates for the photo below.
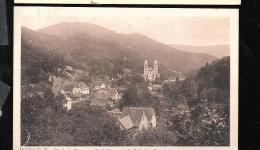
(116, 110)
(98, 102)
(79, 71)
(126, 122)
(57, 80)
(105, 93)
(67, 86)
(82, 85)
(67, 98)
(137, 112)
(117, 115)
(175, 111)
(69, 68)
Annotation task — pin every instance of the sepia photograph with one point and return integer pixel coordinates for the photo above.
(125, 77)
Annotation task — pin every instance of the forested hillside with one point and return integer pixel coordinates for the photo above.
(100, 50)
(203, 101)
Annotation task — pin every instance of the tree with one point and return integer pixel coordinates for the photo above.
(190, 89)
(37, 109)
(213, 119)
(108, 134)
(130, 97)
(205, 98)
(180, 123)
(156, 137)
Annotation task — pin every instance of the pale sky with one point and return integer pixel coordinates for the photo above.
(167, 29)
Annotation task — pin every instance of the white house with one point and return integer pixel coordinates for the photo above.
(68, 102)
(85, 91)
(51, 78)
(80, 89)
(76, 90)
(69, 68)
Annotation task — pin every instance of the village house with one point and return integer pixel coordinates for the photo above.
(156, 87)
(79, 71)
(51, 78)
(115, 113)
(67, 102)
(98, 102)
(106, 94)
(73, 73)
(142, 117)
(69, 69)
(102, 86)
(173, 80)
(33, 90)
(80, 89)
(56, 84)
(125, 122)
(119, 97)
(75, 89)
(127, 72)
(135, 117)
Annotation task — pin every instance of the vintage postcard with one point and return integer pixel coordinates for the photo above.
(125, 78)
(185, 2)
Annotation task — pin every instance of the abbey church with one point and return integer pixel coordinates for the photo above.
(150, 74)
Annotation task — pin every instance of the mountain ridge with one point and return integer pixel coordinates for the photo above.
(87, 42)
(219, 51)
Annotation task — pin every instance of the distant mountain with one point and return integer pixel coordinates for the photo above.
(97, 48)
(214, 50)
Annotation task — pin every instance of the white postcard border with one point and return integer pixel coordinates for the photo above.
(185, 2)
(20, 12)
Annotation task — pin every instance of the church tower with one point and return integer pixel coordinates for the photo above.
(145, 69)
